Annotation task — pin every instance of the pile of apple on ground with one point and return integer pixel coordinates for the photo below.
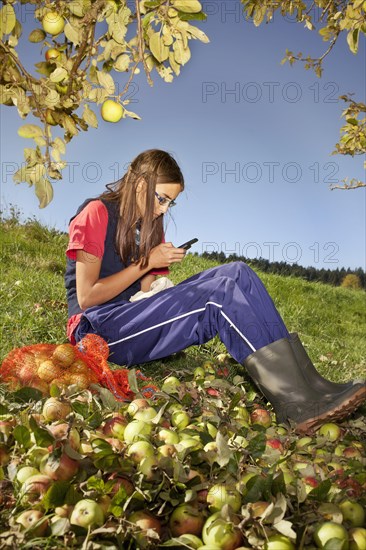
(201, 465)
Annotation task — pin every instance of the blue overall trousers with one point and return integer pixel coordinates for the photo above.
(229, 300)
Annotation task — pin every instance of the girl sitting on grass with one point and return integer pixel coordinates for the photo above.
(116, 248)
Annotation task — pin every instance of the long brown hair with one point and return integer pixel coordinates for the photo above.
(152, 166)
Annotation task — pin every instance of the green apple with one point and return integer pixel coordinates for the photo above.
(136, 430)
(180, 419)
(24, 473)
(112, 111)
(53, 23)
(217, 531)
(171, 384)
(330, 530)
(137, 405)
(139, 450)
(146, 414)
(220, 494)
(330, 431)
(278, 542)
(55, 409)
(169, 437)
(190, 541)
(353, 512)
(357, 539)
(87, 513)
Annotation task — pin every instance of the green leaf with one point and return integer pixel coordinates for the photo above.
(352, 40)
(30, 131)
(257, 445)
(255, 488)
(7, 19)
(22, 436)
(158, 48)
(42, 436)
(190, 16)
(25, 395)
(352, 121)
(55, 496)
(321, 491)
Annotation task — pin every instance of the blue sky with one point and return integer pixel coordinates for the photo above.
(253, 138)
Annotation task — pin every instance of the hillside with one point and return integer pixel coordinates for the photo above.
(330, 320)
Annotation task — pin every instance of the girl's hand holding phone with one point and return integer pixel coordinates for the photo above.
(164, 255)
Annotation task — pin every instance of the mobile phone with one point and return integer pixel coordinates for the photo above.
(188, 244)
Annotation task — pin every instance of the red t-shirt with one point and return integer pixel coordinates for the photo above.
(87, 232)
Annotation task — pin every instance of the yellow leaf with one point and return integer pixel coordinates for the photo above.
(30, 131)
(158, 48)
(44, 192)
(187, 6)
(7, 19)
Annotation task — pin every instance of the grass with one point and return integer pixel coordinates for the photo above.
(329, 320)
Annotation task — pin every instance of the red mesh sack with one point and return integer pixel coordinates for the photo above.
(41, 365)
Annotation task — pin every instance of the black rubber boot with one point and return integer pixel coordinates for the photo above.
(315, 379)
(276, 372)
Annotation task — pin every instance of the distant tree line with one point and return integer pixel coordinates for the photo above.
(351, 278)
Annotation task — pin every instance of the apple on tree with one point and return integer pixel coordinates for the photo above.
(111, 111)
(53, 23)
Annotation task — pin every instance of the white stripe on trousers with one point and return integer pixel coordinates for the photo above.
(181, 317)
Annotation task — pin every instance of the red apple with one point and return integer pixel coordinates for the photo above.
(62, 431)
(186, 519)
(144, 521)
(34, 488)
(52, 54)
(115, 427)
(66, 469)
(261, 417)
(32, 520)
